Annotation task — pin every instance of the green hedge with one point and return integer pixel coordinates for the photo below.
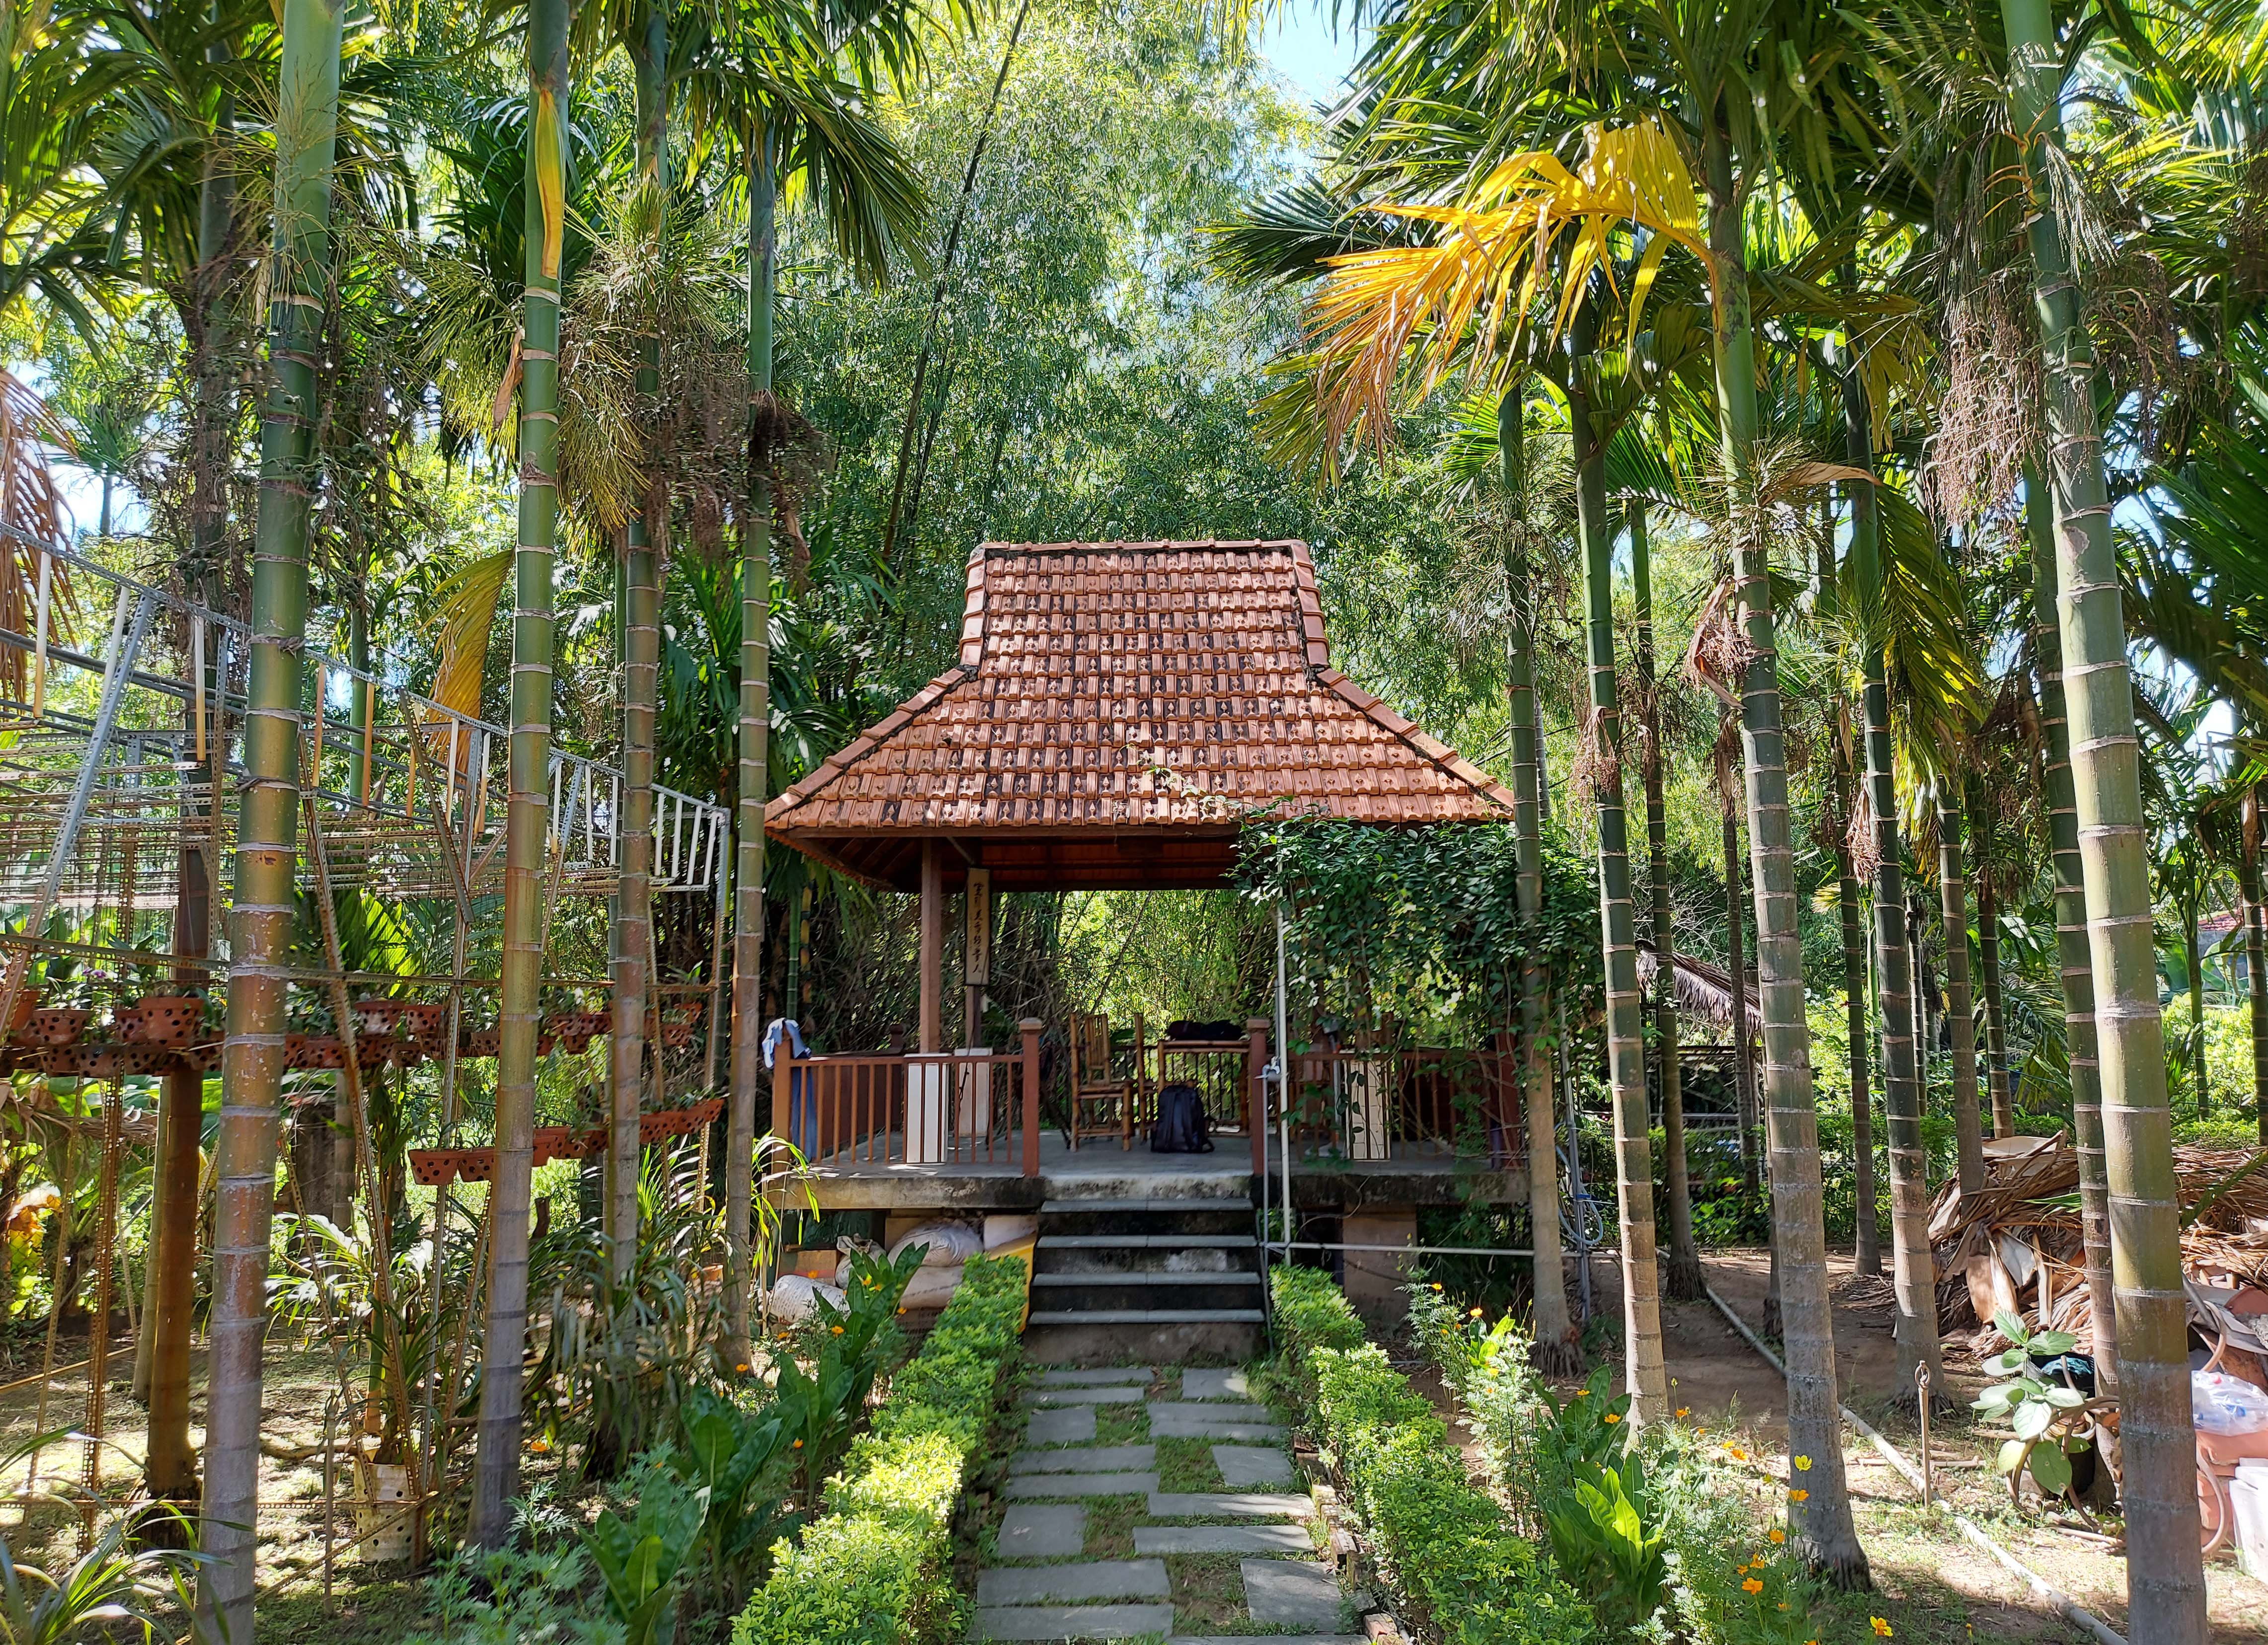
(871, 1569)
(1448, 1550)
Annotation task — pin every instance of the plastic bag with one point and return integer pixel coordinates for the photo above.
(794, 1295)
(2223, 1404)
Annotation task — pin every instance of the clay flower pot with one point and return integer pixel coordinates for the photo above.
(27, 1002)
(56, 1026)
(426, 1027)
(432, 1167)
(315, 1050)
(483, 1042)
(166, 1019)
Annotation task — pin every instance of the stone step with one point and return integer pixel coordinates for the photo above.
(1228, 1505)
(1157, 1539)
(1152, 1253)
(1080, 1583)
(1108, 1395)
(1087, 1459)
(1146, 1216)
(1119, 1292)
(1140, 1375)
(1066, 1485)
(1069, 1337)
(1272, 1639)
(1071, 1622)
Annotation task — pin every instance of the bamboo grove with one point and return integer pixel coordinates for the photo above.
(1924, 344)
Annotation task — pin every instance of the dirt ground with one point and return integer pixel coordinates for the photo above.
(1930, 1585)
(370, 1603)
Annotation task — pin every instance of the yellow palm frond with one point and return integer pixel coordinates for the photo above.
(1471, 288)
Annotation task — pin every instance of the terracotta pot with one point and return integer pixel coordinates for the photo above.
(431, 1167)
(557, 1142)
(315, 1050)
(426, 1025)
(57, 1026)
(27, 1000)
(166, 1019)
(483, 1042)
(677, 1033)
(376, 1017)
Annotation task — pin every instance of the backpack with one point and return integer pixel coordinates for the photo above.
(1180, 1128)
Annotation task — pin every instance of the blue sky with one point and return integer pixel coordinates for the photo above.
(1299, 44)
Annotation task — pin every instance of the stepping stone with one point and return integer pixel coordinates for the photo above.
(1215, 1384)
(1083, 1396)
(1169, 1421)
(1072, 1425)
(1215, 1411)
(1226, 1539)
(1052, 1485)
(1069, 1622)
(1227, 1505)
(1090, 1459)
(1247, 1467)
(1272, 1639)
(1291, 1593)
(1140, 1375)
(1076, 1584)
(1053, 1532)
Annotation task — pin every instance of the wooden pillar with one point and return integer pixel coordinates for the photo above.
(1028, 1030)
(932, 949)
(976, 957)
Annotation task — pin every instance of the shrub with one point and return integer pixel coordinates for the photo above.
(870, 1571)
(1448, 1550)
(1658, 1534)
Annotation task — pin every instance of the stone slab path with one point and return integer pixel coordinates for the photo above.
(1147, 1503)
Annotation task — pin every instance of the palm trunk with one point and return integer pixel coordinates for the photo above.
(1736, 971)
(2073, 962)
(1988, 966)
(756, 727)
(306, 128)
(2256, 956)
(633, 921)
(1648, 1382)
(2165, 1570)
(496, 1475)
(1913, 1269)
(169, 1322)
(1821, 1525)
(1866, 1249)
(1554, 1349)
(2195, 956)
(1959, 1019)
(1683, 1275)
(1925, 990)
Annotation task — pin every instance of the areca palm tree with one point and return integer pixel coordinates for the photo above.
(788, 90)
(306, 126)
(2166, 1576)
(496, 1476)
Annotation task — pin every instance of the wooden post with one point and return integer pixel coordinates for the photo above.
(977, 964)
(932, 949)
(1030, 1029)
(1255, 1058)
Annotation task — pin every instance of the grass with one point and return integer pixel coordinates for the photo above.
(1121, 1424)
(1111, 1522)
(1187, 1464)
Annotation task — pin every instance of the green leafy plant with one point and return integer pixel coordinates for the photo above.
(820, 1408)
(733, 1456)
(2052, 1423)
(640, 1558)
(109, 1589)
(1604, 1545)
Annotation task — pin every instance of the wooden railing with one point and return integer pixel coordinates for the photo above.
(1369, 1102)
(950, 1108)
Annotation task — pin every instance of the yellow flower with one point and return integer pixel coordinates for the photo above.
(1778, 1535)
(1783, 1605)
(1437, 1288)
(1476, 1313)
(1798, 1496)
(1752, 1586)
(1882, 1628)
(838, 1331)
(1611, 1417)
(1803, 1464)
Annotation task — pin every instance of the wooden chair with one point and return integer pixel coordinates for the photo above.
(1101, 1104)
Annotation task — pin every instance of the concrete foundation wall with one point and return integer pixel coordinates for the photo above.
(1374, 1278)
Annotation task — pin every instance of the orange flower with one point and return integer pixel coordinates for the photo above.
(1684, 1410)
(1778, 1535)
(1798, 1496)
(1882, 1628)
(1611, 1417)
(1736, 1453)
(797, 1446)
(838, 1330)
(1752, 1586)
(1744, 1571)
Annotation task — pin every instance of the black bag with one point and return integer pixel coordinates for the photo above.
(1180, 1128)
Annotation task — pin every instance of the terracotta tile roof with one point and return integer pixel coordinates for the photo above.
(1134, 693)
